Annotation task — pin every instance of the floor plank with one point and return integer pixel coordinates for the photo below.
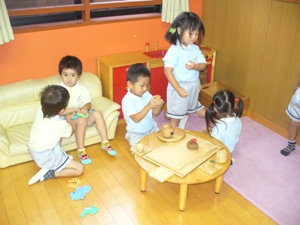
(115, 192)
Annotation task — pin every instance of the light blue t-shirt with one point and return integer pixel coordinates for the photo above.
(228, 131)
(132, 104)
(178, 55)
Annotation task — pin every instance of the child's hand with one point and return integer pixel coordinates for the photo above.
(190, 65)
(84, 111)
(69, 116)
(182, 93)
(158, 100)
(155, 102)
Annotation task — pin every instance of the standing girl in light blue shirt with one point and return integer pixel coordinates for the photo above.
(182, 64)
(222, 117)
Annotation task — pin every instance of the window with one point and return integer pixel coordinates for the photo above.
(52, 13)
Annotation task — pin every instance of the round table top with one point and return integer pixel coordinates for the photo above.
(197, 175)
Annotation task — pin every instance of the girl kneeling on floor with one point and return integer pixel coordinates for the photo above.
(222, 118)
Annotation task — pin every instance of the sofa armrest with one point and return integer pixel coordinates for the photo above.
(4, 141)
(110, 112)
(105, 106)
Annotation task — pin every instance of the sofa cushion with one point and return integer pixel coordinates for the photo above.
(19, 137)
(14, 115)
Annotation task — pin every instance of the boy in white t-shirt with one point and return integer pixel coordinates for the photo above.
(46, 135)
(70, 70)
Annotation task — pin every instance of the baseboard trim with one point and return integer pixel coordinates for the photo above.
(277, 129)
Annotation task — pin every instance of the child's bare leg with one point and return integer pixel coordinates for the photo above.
(166, 115)
(201, 113)
(97, 117)
(72, 169)
(174, 122)
(80, 125)
(293, 131)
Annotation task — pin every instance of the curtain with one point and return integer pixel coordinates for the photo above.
(172, 8)
(6, 32)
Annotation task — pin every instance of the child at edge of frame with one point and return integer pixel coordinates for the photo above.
(293, 112)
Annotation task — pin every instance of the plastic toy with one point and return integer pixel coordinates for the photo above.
(92, 210)
(80, 192)
(78, 115)
(73, 183)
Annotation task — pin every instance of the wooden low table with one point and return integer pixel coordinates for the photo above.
(196, 176)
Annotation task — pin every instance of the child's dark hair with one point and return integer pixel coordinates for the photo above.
(224, 103)
(186, 21)
(135, 71)
(54, 98)
(70, 62)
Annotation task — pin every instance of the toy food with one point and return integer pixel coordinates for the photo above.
(192, 144)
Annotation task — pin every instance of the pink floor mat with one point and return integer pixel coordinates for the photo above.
(260, 173)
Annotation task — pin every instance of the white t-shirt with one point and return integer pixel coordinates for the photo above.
(228, 131)
(132, 104)
(79, 95)
(46, 132)
(178, 55)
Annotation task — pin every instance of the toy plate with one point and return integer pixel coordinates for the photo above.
(178, 135)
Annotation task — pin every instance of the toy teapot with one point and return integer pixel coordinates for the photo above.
(167, 130)
(221, 156)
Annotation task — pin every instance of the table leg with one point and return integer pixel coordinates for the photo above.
(182, 196)
(143, 180)
(219, 182)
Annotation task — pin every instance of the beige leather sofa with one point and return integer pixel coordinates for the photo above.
(18, 105)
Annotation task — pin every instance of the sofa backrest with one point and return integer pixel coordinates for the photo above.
(19, 101)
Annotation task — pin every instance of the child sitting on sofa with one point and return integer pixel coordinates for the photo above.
(46, 135)
(138, 105)
(70, 70)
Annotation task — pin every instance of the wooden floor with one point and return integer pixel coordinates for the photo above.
(115, 192)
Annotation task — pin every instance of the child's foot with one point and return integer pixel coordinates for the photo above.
(105, 146)
(43, 174)
(83, 157)
(232, 161)
(287, 150)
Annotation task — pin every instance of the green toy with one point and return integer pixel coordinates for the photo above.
(79, 115)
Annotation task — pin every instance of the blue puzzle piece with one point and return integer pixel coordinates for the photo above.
(91, 211)
(80, 192)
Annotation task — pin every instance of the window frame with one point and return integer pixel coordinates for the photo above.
(85, 7)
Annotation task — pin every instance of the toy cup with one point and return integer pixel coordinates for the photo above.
(140, 147)
(221, 156)
(212, 163)
(167, 130)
